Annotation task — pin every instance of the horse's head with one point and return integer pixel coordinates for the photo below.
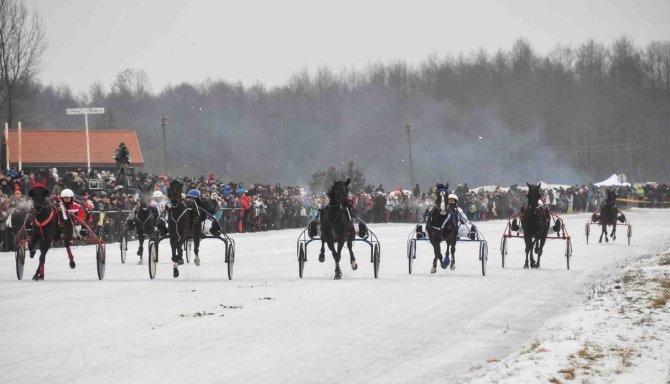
(40, 194)
(611, 196)
(339, 192)
(442, 191)
(534, 195)
(175, 191)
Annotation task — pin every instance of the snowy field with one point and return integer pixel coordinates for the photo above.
(602, 321)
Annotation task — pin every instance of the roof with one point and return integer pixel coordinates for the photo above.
(68, 147)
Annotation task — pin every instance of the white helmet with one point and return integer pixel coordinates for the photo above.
(452, 196)
(66, 193)
(158, 195)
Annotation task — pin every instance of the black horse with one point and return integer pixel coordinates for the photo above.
(183, 224)
(337, 225)
(442, 225)
(609, 213)
(44, 222)
(144, 221)
(535, 220)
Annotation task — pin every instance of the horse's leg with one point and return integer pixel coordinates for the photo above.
(352, 259)
(33, 244)
(196, 246)
(529, 248)
(322, 253)
(176, 256)
(614, 230)
(603, 231)
(336, 256)
(539, 248)
(140, 237)
(452, 246)
(69, 252)
(39, 273)
(438, 255)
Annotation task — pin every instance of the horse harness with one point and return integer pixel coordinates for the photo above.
(450, 216)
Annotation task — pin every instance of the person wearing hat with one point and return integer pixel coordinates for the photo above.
(454, 210)
(73, 214)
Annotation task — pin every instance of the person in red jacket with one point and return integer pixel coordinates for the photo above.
(77, 215)
(245, 202)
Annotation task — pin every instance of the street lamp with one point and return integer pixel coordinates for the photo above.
(163, 125)
(409, 145)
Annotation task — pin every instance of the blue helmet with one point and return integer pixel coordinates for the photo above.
(194, 193)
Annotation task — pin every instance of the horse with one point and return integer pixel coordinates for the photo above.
(183, 224)
(535, 220)
(442, 225)
(44, 222)
(48, 225)
(337, 225)
(144, 221)
(608, 216)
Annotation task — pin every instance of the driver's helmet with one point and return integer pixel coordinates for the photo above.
(452, 196)
(67, 193)
(158, 195)
(194, 193)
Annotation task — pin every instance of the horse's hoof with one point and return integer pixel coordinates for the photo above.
(140, 262)
(180, 261)
(37, 277)
(433, 270)
(525, 266)
(444, 263)
(72, 264)
(322, 258)
(452, 266)
(175, 272)
(197, 261)
(338, 277)
(354, 266)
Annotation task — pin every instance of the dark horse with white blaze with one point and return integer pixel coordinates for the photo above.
(442, 223)
(47, 223)
(337, 225)
(183, 224)
(535, 220)
(609, 213)
(144, 221)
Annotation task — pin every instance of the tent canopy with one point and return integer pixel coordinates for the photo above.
(612, 181)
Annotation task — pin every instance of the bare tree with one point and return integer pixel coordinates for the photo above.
(21, 47)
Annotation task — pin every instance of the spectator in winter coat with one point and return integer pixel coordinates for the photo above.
(245, 203)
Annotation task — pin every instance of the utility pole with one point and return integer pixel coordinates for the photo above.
(409, 145)
(163, 126)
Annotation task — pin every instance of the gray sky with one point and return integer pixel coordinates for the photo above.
(267, 41)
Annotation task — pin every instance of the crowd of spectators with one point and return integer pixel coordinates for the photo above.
(261, 207)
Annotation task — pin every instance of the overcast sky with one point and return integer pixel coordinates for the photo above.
(266, 41)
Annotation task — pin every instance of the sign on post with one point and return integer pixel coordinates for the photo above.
(86, 112)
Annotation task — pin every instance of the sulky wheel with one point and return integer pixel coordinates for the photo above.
(123, 244)
(630, 232)
(20, 259)
(483, 255)
(568, 252)
(230, 259)
(301, 260)
(188, 245)
(375, 259)
(153, 258)
(503, 250)
(411, 254)
(100, 255)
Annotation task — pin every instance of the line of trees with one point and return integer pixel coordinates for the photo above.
(577, 114)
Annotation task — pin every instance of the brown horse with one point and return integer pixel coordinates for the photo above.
(609, 213)
(183, 224)
(442, 225)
